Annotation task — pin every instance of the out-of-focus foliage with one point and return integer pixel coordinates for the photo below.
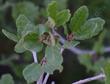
(6, 79)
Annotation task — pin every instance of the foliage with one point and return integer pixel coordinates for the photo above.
(6, 79)
(36, 35)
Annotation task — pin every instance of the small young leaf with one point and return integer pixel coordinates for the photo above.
(52, 9)
(6, 79)
(79, 18)
(107, 73)
(10, 35)
(32, 72)
(57, 18)
(21, 22)
(62, 17)
(70, 44)
(53, 59)
(91, 28)
(19, 46)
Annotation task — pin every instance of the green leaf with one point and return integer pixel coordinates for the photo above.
(53, 59)
(29, 28)
(62, 4)
(10, 35)
(107, 72)
(31, 42)
(52, 9)
(86, 60)
(21, 22)
(42, 29)
(6, 79)
(63, 17)
(91, 28)
(26, 8)
(99, 43)
(79, 18)
(50, 23)
(70, 44)
(99, 64)
(32, 72)
(58, 18)
(19, 46)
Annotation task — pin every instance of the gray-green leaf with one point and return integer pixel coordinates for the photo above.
(52, 9)
(79, 18)
(29, 28)
(19, 46)
(10, 35)
(26, 8)
(42, 29)
(53, 59)
(32, 72)
(63, 17)
(31, 42)
(21, 22)
(91, 28)
(6, 79)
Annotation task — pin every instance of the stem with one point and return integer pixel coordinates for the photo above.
(53, 82)
(100, 76)
(40, 79)
(46, 78)
(34, 56)
(80, 51)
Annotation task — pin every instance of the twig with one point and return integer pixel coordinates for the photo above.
(53, 82)
(80, 51)
(46, 78)
(100, 76)
(40, 79)
(34, 56)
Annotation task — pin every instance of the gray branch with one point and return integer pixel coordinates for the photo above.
(98, 77)
(80, 51)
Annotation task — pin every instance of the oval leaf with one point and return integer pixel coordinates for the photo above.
(21, 22)
(32, 72)
(79, 18)
(91, 28)
(10, 35)
(63, 17)
(52, 9)
(53, 59)
(6, 79)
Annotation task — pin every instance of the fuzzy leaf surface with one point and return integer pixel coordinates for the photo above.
(32, 72)
(63, 17)
(11, 36)
(6, 79)
(54, 59)
(79, 18)
(90, 28)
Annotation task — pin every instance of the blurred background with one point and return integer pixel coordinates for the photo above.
(75, 67)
